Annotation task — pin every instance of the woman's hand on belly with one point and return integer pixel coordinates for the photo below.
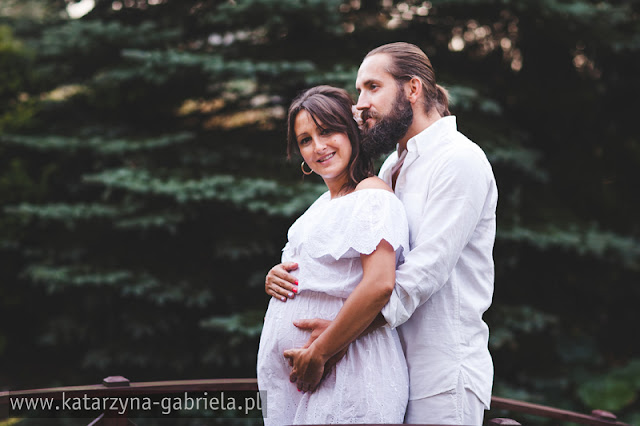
(279, 283)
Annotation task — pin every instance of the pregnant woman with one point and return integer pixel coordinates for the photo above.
(347, 246)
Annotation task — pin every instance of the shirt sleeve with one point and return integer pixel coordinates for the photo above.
(456, 198)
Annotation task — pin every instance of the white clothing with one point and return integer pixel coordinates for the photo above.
(446, 282)
(370, 384)
(456, 407)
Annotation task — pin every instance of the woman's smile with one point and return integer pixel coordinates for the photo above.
(326, 157)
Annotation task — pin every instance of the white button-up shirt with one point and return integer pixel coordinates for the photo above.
(446, 282)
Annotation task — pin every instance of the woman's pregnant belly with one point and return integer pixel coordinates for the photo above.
(279, 333)
(369, 385)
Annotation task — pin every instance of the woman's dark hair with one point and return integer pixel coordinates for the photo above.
(408, 61)
(330, 109)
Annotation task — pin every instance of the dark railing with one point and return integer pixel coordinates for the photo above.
(118, 386)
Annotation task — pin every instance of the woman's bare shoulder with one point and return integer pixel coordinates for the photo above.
(373, 182)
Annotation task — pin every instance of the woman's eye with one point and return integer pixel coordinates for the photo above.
(325, 132)
(304, 141)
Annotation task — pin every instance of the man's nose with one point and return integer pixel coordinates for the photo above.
(363, 102)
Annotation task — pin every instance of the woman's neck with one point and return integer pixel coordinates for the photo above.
(337, 186)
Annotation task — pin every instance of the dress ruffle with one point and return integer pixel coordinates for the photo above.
(351, 225)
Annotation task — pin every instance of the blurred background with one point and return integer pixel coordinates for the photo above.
(145, 193)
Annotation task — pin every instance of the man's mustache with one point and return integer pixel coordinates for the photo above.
(366, 114)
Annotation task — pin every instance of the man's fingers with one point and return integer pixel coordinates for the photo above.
(331, 363)
(327, 370)
(304, 387)
(289, 354)
(340, 355)
(305, 324)
(309, 342)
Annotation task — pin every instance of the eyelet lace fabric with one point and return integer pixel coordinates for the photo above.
(370, 384)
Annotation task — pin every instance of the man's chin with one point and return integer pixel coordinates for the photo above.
(367, 126)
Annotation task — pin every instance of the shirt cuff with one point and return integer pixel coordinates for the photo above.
(394, 312)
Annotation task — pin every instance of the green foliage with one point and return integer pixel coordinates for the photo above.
(255, 195)
(145, 193)
(86, 38)
(275, 17)
(590, 242)
(469, 99)
(101, 145)
(614, 390)
(66, 213)
(524, 160)
(516, 321)
(15, 61)
(248, 323)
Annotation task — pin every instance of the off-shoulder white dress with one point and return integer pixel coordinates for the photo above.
(370, 384)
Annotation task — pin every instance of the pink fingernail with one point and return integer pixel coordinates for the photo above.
(295, 290)
(296, 283)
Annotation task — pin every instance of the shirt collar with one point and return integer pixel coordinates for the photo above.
(432, 133)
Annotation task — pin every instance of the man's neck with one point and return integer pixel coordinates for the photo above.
(420, 122)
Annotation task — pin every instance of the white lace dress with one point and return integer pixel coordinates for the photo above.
(370, 384)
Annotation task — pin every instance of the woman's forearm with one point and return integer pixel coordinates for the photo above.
(363, 304)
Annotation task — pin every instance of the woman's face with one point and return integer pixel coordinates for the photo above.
(325, 151)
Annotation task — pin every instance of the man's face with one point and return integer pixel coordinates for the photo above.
(386, 112)
(376, 87)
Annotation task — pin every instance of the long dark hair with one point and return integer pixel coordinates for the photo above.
(330, 109)
(408, 61)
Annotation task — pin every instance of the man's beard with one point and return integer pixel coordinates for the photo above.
(384, 135)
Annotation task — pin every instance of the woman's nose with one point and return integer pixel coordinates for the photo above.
(320, 145)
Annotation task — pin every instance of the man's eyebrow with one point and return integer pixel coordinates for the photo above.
(367, 83)
(370, 82)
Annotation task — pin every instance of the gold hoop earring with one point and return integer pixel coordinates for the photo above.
(304, 171)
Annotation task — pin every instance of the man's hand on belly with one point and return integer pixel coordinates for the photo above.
(317, 326)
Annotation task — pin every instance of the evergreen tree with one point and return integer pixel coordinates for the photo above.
(145, 191)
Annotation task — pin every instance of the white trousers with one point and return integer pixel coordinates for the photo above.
(456, 407)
